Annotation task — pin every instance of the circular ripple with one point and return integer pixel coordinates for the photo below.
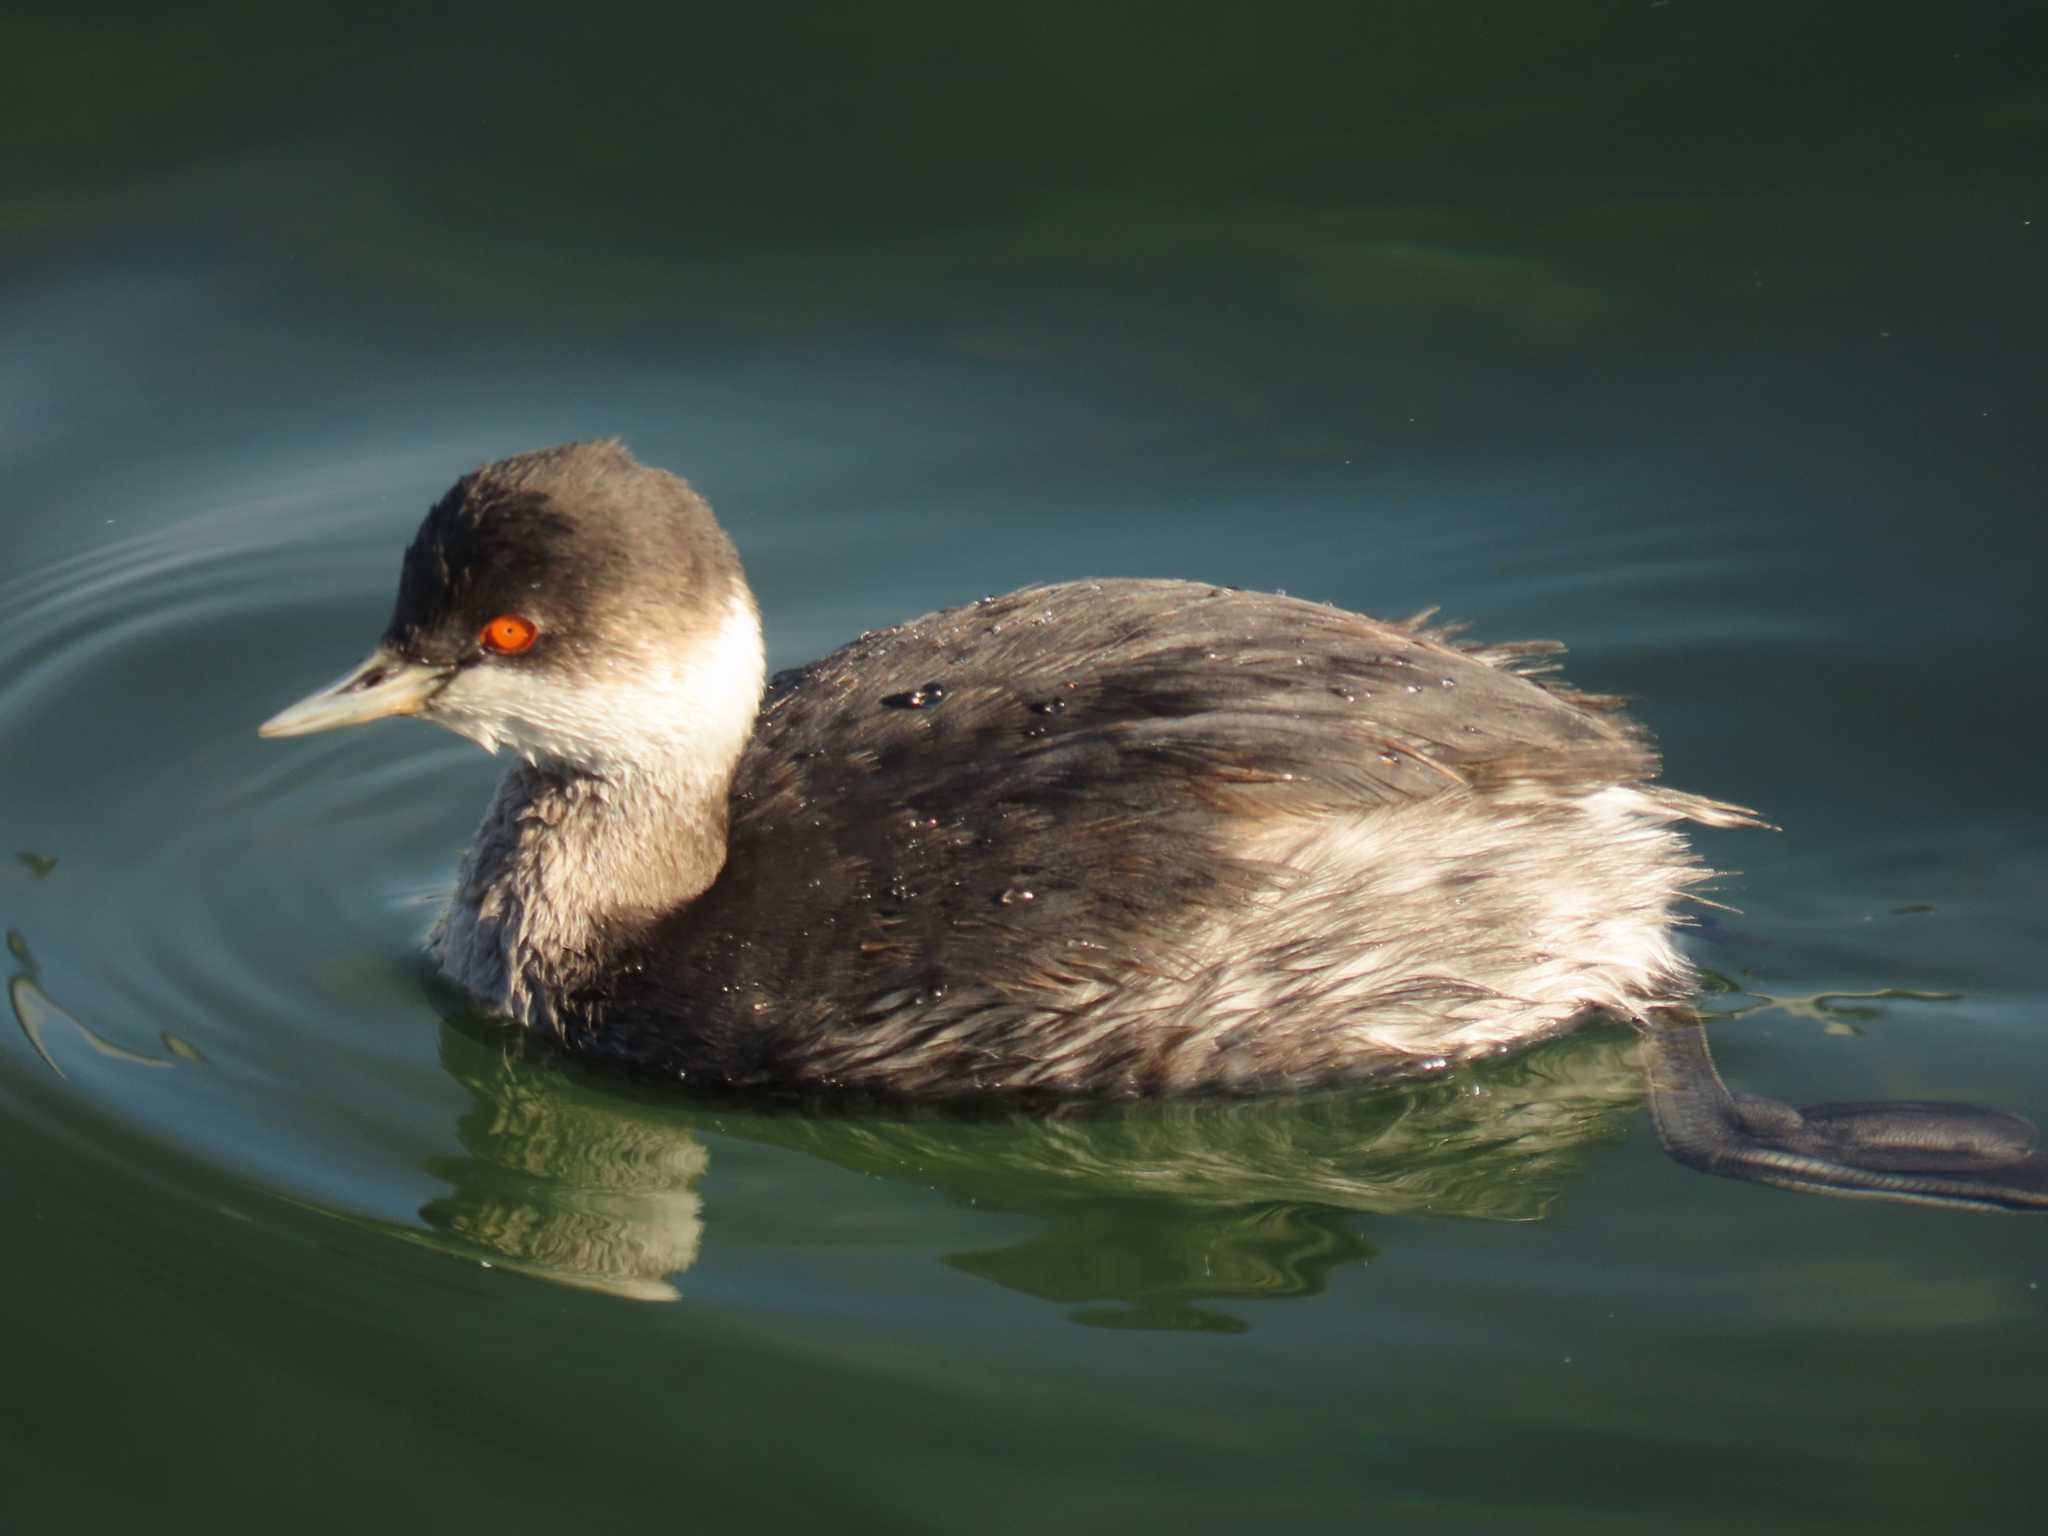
(252, 911)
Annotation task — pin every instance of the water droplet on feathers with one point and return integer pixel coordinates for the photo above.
(926, 697)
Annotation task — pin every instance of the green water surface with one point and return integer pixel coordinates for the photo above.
(1706, 338)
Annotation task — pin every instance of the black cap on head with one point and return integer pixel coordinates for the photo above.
(582, 539)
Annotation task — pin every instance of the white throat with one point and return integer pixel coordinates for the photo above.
(617, 818)
(679, 717)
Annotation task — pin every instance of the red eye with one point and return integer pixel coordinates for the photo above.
(508, 634)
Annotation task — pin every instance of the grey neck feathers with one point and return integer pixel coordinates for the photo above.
(616, 819)
(566, 869)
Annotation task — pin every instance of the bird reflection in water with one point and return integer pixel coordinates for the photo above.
(1150, 1210)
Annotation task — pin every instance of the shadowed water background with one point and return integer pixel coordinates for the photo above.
(1706, 339)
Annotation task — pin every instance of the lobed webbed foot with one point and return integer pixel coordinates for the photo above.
(1920, 1151)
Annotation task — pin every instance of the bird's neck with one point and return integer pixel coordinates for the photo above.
(573, 863)
(566, 872)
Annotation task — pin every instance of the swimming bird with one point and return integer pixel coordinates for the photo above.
(1102, 838)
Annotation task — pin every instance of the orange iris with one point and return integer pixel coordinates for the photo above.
(509, 634)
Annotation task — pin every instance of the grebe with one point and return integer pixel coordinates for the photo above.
(1101, 838)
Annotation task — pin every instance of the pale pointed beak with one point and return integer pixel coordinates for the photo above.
(385, 684)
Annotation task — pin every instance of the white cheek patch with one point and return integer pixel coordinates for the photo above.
(683, 716)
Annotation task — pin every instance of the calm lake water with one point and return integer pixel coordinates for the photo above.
(1707, 339)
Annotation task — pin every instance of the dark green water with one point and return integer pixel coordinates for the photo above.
(1706, 338)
